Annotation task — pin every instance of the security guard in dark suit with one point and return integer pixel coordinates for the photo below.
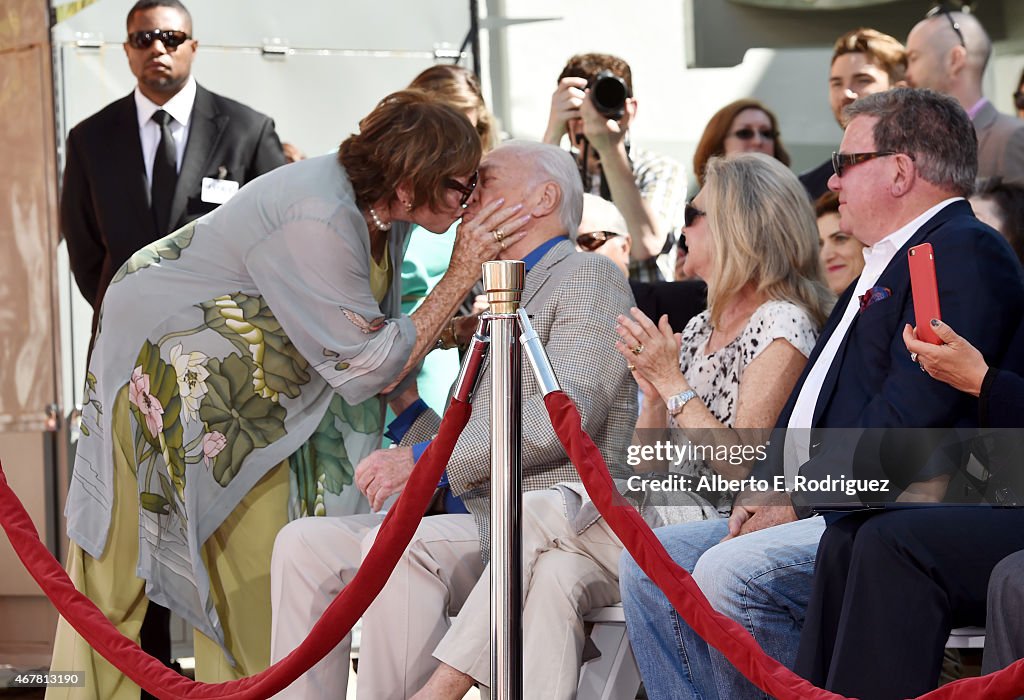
(158, 158)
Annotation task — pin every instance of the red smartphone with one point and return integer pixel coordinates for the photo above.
(925, 291)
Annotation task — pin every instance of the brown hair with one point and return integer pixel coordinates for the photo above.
(885, 51)
(409, 137)
(460, 88)
(712, 141)
(588, 65)
(826, 204)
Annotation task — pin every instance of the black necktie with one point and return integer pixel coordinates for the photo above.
(165, 174)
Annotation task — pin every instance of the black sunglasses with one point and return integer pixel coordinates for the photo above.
(953, 24)
(842, 161)
(691, 214)
(1018, 99)
(593, 240)
(170, 38)
(747, 134)
(466, 190)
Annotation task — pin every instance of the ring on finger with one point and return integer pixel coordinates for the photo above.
(638, 348)
(502, 243)
(913, 357)
(631, 367)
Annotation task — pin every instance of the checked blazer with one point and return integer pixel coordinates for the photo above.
(573, 299)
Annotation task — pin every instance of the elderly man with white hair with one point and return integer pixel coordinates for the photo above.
(573, 299)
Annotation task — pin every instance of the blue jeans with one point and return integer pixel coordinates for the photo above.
(761, 580)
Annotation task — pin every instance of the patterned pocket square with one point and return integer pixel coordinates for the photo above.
(873, 295)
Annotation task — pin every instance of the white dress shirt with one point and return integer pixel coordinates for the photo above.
(876, 259)
(180, 109)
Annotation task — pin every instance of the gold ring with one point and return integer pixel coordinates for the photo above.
(631, 367)
(638, 349)
(502, 243)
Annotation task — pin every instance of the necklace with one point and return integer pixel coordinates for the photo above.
(381, 226)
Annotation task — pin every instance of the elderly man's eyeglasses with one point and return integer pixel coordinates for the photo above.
(170, 38)
(953, 24)
(747, 134)
(594, 239)
(691, 214)
(466, 190)
(842, 161)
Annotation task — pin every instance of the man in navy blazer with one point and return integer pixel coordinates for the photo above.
(219, 145)
(908, 159)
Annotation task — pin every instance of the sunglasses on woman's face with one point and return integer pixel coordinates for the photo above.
(466, 190)
(170, 38)
(594, 240)
(748, 134)
(691, 214)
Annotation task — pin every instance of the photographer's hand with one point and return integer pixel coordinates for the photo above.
(565, 105)
(605, 135)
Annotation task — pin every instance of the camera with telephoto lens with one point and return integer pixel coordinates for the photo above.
(608, 92)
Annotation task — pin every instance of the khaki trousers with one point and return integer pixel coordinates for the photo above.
(315, 558)
(565, 576)
(413, 611)
(238, 558)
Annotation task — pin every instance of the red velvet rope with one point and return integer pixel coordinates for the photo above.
(337, 620)
(726, 635)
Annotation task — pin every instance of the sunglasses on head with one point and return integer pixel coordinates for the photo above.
(466, 190)
(691, 214)
(747, 134)
(953, 24)
(593, 240)
(170, 38)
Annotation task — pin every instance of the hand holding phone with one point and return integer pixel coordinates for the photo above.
(925, 291)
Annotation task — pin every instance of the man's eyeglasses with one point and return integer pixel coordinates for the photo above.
(748, 134)
(170, 38)
(593, 240)
(466, 190)
(953, 24)
(691, 214)
(842, 161)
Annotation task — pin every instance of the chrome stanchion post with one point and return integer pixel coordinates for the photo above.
(538, 357)
(503, 281)
(469, 373)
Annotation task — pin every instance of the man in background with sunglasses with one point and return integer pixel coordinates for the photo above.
(158, 158)
(864, 61)
(947, 52)
(603, 231)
